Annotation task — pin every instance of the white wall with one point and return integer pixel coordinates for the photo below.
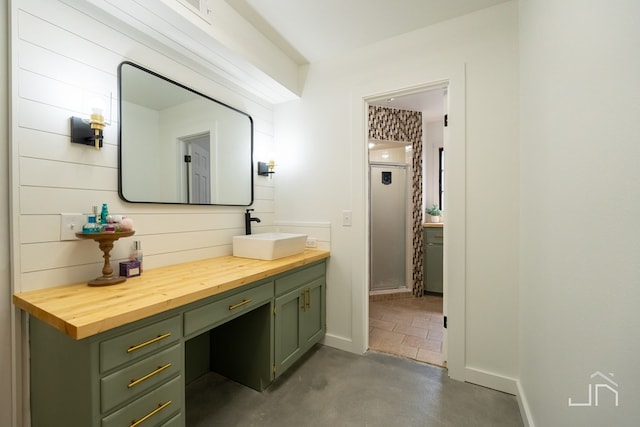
(580, 199)
(143, 127)
(322, 163)
(65, 58)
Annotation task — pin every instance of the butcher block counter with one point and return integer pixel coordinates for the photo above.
(433, 225)
(80, 311)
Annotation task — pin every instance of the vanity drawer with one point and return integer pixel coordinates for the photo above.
(209, 315)
(434, 235)
(295, 280)
(139, 377)
(176, 421)
(138, 343)
(151, 409)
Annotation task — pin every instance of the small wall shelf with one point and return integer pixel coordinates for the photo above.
(105, 241)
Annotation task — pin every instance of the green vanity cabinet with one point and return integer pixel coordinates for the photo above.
(215, 310)
(135, 374)
(130, 375)
(287, 346)
(313, 322)
(433, 257)
(300, 314)
(241, 347)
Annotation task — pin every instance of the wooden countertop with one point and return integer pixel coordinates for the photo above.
(433, 225)
(80, 311)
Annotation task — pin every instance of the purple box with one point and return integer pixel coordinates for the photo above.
(130, 268)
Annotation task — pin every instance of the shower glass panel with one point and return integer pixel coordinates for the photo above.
(388, 226)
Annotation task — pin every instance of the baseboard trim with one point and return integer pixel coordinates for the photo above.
(504, 384)
(341, 343)
(491, 380)
(525, 411)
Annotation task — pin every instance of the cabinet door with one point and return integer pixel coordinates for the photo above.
(288, 346)
(434, 267)
(312, 320)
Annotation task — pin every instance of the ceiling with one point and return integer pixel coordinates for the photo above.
(313, 30)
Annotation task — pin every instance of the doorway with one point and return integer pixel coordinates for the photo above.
(404, 319)
(195, 180)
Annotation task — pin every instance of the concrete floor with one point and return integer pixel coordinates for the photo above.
(334, 388)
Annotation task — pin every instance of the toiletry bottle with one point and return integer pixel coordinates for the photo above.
(136, 254)
(104, 214)
(96, 214)
(91, 226)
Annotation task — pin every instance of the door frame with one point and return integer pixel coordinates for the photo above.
(184, 177)
(455, 193)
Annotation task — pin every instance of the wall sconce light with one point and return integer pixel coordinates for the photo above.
(89, 132)
(266, 169)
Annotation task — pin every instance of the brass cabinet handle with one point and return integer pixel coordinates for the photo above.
(240, 304)
(146, 343)
(307, 297)
(160, 407)
(134, 383)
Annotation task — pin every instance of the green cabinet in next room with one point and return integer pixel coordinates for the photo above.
(433, 257)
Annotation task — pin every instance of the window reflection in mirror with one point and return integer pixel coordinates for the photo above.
(180, 146)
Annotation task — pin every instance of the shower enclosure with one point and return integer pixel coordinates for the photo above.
(388, 224)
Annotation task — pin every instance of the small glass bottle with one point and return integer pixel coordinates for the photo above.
(136, 253)
(91, 226)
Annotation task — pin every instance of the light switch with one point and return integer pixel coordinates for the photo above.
(70, 224)
(346, 218)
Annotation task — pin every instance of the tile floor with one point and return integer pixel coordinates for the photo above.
(409, 327)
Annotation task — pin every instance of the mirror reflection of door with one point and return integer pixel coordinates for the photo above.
(199, 168)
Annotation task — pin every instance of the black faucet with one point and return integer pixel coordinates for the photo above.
(247, 221)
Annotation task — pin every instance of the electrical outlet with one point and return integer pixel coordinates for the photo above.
(70, 224)
(346, 218)
(312, 242)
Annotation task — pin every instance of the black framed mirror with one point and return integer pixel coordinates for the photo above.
(177, 145)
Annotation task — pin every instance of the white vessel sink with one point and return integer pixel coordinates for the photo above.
(268, 246)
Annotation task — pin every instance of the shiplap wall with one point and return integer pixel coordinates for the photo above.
(64, 59)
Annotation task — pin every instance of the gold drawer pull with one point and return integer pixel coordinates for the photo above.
(134, 383)
(240, 304)
(160, 407)
(307, 297)
(146, 343)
